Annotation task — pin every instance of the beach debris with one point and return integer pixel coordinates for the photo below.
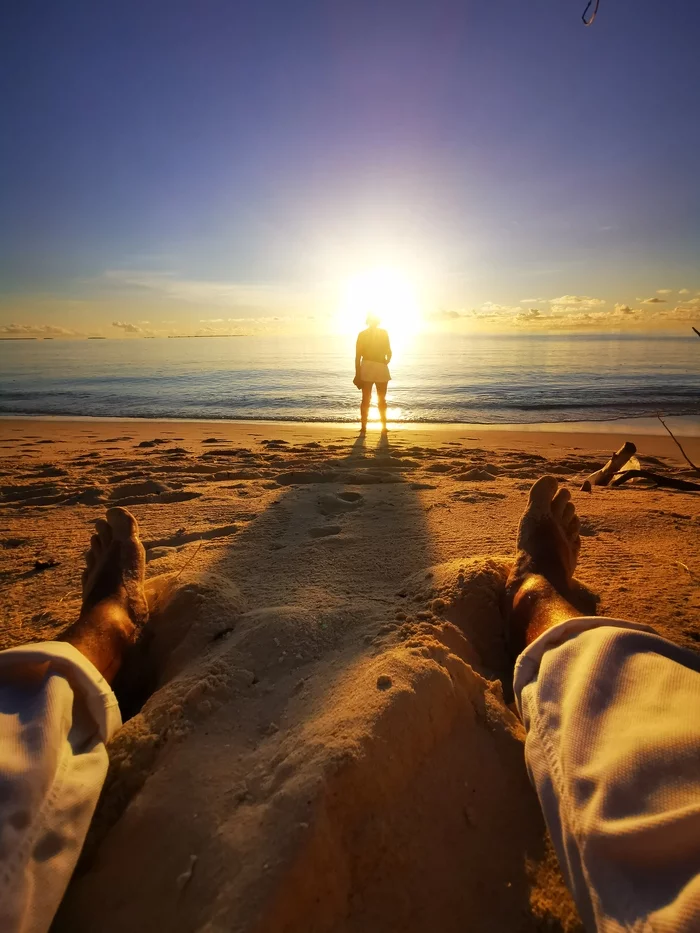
(668, 482)
(604, 475)
(41, 565)
(384, 682)
(678, 443)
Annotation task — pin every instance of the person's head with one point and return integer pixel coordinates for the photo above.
(372, 320)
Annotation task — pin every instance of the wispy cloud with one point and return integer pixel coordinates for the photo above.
(239, 295)
(664, 291)
(576, 301)
(652, 301)
(37, 330)
(129, 328)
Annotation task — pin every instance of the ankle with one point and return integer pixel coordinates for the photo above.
(103, 633)
(535, 606)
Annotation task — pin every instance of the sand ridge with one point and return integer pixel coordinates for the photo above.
(319, 738)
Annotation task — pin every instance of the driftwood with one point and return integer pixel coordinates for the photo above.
(678, 445)
(658, 478)
(603, 476)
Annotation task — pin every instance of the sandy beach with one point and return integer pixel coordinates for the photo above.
(319, 734)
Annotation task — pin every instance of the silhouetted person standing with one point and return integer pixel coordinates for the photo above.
(372, 358)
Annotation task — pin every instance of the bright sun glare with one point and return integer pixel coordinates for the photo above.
(387, 292)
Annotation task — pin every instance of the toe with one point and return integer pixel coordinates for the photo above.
(559, 503)
(123, 524)
(573, 529)
(104, 532)
(93, 554)
(543, 492)
(568, 514)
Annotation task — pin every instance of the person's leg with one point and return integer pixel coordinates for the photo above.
(365, 403)
(57, 711)
(381, 400)
(613, 741)
(114, 603)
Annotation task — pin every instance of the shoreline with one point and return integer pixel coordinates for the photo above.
(643, 424)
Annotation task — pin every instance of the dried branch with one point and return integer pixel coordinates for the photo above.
(696, 331)
(678, 445)
(603, 476)
(658, 478)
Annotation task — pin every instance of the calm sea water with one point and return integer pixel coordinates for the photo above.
(436, 378)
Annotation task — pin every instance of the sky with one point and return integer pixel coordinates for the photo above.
(222, 166)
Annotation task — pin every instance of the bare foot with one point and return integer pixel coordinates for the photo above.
(114, 606)
(547, 549)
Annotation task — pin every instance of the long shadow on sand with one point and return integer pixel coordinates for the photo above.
(318, 757)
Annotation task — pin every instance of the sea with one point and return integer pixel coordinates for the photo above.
(436, 378)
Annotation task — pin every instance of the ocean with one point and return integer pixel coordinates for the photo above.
(436, 378)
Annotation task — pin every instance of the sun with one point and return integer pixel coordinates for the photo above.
(384, 291)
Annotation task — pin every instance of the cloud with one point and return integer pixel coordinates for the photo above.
(443, 315)
(683, 291)
(127, 327)
(532, 301)
(491, 307)
(250, 296)
(664, 291)
(576, 301)
(528, 316)
(624, 309)
(212, 320)
(652, 301)
(37, 330)
(681, 314)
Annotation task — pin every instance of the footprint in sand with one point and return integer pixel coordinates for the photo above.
(154, 443)
(332, 504)
(8, 544)
(302, 477)
(181, 537)
(325, 531)
(439, 467)
(476, 475)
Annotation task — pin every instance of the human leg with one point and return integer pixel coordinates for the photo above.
(114, 605)
(57, 711)
(381, 400)
(612, 713)
(365, 403)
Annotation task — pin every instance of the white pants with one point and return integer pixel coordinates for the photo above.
(56, 713)
(613, 748)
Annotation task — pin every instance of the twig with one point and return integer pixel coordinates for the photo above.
(696, 331)
(678, 445)
(188, 562)
(657, 478)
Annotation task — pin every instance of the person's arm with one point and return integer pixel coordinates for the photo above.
(358, 363)
(388, 349)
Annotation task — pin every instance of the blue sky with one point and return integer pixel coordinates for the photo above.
(185, 164)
